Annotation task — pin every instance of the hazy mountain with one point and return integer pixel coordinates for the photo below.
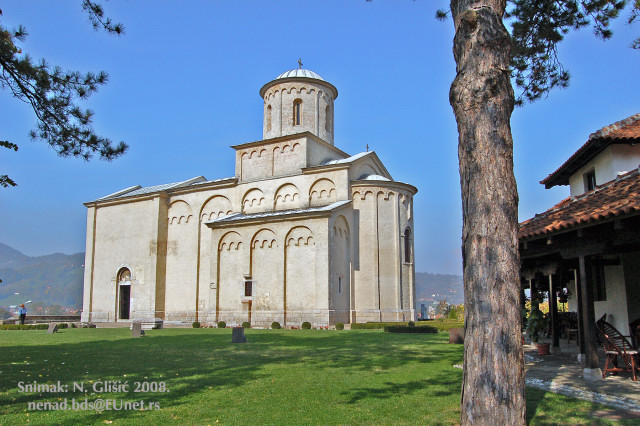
(54, 279)
(432, 287)
(10, 257)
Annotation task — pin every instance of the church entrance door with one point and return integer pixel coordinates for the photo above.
(123, 305)
(125, 301)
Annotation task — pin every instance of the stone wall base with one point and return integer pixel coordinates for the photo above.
(264, 318)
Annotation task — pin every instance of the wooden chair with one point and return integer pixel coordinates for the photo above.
(616, 346)
(634, 329)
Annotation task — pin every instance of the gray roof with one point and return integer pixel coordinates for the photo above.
(373, 177)
(299, 73)
(138, 190)
(348, 159)
(240, 217)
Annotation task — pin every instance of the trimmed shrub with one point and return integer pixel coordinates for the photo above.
(275, 325)
(339, 326)
(445, 324)
(306, 325)
(196, 324)
(222, 324)
(61, 326)
(246, 324)
(24, 326)
(409, 329)
(441, 325)
(368, 325)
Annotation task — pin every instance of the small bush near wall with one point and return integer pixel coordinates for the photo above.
(222, 324)
(196, 324)
(411, 324)
(445, 324)
(439, 324)
(409, 329)
(31, 326)
(339, 326)
(246, 325)
(306, 325)
(275, 325)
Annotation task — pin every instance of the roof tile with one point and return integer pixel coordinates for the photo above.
(621, 196)
(623, 131)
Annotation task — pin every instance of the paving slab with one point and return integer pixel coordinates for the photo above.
(562, 373)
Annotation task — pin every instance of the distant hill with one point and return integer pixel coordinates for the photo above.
(432, 287)
(57, 279)
(10, 257)
(54, 279)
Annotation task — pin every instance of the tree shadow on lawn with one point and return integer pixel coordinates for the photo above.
(448, 381)
(191, 361)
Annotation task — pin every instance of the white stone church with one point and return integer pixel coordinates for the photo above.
(302, 232)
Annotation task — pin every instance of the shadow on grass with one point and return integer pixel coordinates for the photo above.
(390, 390)
(191, 361)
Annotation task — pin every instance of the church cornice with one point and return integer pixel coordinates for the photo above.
(313, 81)
(372, 184)
(307, 134)
(218, 184)
(344, 164)
(324, 168)
(282, 216)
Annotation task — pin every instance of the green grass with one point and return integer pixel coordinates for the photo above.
(278, 377)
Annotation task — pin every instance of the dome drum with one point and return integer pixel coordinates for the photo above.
(298, 101)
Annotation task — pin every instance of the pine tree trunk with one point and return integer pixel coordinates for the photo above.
(482, 99)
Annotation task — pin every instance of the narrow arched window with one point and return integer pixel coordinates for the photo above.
(124, 276)
(269, 118)
(297, 112)
(407, 245)
(327, 118)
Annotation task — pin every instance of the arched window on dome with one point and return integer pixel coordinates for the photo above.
(327, 118)
(269, 118)
(407, 245)
(297, 112)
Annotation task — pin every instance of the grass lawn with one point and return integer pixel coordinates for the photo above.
(278, 377)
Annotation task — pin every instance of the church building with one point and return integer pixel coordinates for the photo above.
(302, 232)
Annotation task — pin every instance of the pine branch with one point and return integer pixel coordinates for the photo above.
(538, 26)
(96, 16)
(52, 93)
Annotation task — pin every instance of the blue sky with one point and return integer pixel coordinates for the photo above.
(184, 83)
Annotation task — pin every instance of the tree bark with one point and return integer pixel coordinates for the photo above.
(482, 99)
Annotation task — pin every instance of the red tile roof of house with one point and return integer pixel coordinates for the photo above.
(625, 131)
(612, 199)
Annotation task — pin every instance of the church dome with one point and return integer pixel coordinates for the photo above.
(298, 101)
(299, 72)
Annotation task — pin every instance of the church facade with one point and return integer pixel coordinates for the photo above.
(302, 232)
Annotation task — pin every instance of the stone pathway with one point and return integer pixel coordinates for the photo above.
(562, 373)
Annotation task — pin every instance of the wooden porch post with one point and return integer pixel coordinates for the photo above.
(578, 282)
(553, 312)
(591, 366)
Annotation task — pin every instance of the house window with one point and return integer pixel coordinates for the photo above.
(339, 284)
(297, 112)
(248, 288)
(407, 245)
(269, 118)
(590, 180)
